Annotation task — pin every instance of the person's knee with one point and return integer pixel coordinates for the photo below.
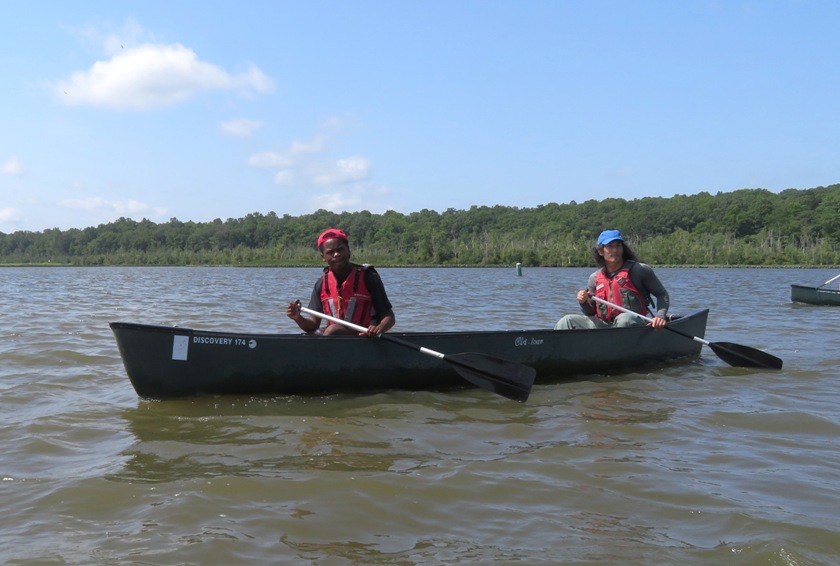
(336, 329)
(627, 319)
(563, 324)
(574, 322)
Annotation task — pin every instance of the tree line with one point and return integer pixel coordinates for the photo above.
(748, 227)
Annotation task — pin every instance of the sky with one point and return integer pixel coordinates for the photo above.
(198, 111)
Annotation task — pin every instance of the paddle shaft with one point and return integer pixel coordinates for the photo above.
(830, 280)
(649, 319)
(364, 330)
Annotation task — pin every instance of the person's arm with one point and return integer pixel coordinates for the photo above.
(306, 323)
(584, 297)
(380, 303)
(386, 322)
(650, 282)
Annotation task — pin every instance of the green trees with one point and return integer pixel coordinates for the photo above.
(745, 227)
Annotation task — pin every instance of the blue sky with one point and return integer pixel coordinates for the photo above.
(199, 110)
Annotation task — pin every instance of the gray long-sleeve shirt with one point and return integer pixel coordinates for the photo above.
(645, 280)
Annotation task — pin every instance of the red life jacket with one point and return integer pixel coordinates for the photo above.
(352, 301)
(618, 289)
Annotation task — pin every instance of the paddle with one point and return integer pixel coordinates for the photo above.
(830, 280)
(506, 378)
(733, 354)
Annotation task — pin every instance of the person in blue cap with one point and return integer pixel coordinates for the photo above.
(622, 280)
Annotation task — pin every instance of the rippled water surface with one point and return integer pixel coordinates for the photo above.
(697, 463)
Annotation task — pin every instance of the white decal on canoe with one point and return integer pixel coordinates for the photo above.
(180, 345)
(252, 343)
(523, 341)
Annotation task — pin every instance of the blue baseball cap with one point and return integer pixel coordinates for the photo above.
(608, 236)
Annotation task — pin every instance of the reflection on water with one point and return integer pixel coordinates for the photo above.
(616, 405)
(173, 446)
(292, 436)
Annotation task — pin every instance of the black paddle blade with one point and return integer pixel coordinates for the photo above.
(744, 356)
(508, 379)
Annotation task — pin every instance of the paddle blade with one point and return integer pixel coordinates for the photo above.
(744, 356)
(503, 377)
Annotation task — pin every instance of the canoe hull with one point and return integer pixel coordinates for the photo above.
(814, 295)
(167, 362)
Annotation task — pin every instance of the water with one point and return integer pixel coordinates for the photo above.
(693, 464)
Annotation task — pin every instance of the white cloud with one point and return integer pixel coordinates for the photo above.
(353, 197)
(130, 34)
(349, 170)
(302, 164)
(9, 214)
(285, 178)
(242, 128)
(153, 76)
(331, 183)
(12, 166)
(291, 158)
(317, 145)
(271, 159)
(336, 201)
(130, 208)
(294, 171)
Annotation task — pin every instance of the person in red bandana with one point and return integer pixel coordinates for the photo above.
(348, 291)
